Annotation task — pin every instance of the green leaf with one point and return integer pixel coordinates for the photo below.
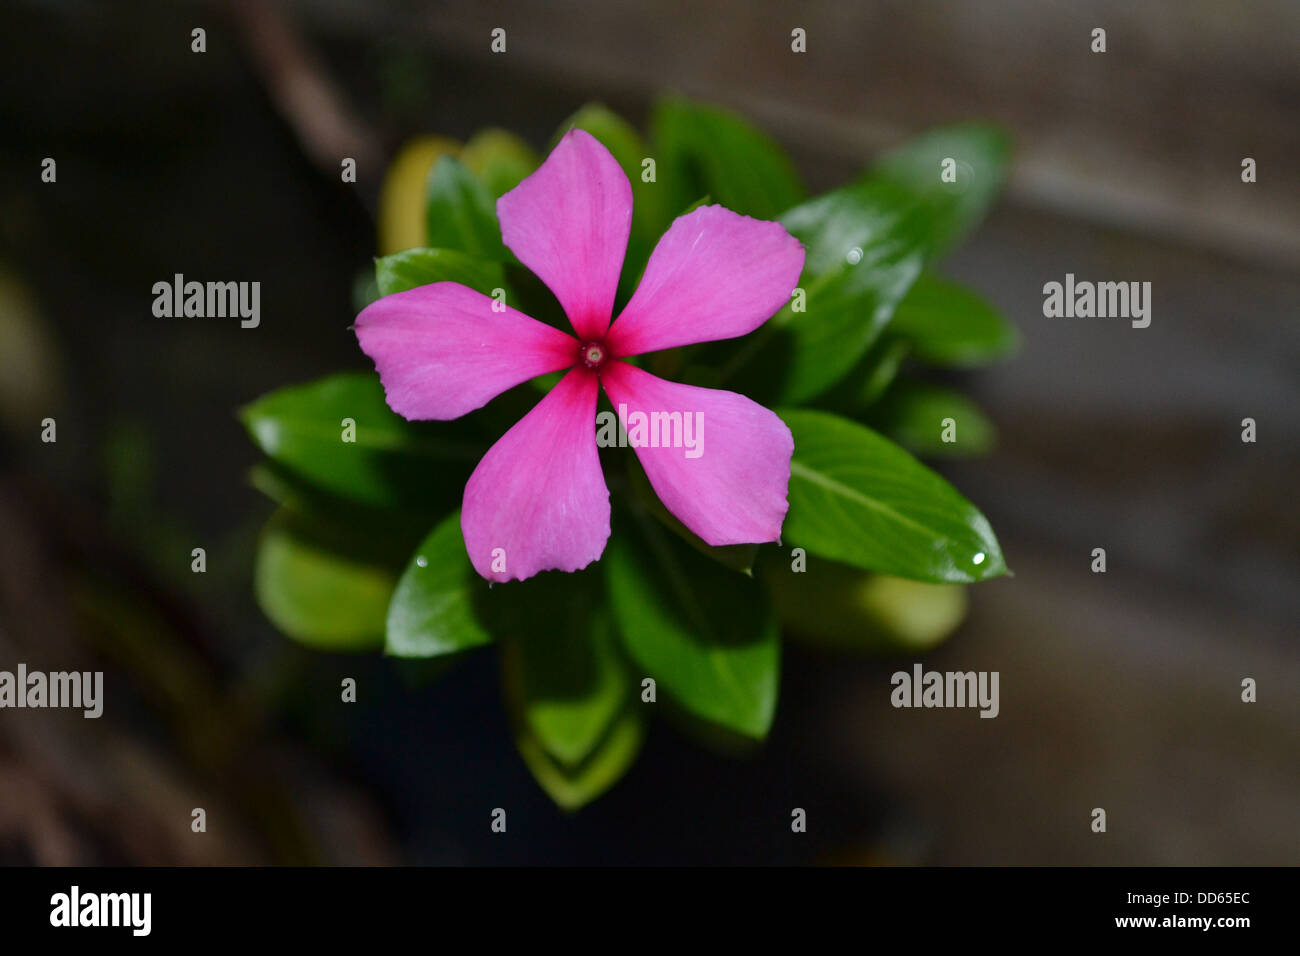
(398, 526)
(616, 134)
(703, 149)
(568, 688)
(870, 379)
(319, 590)
(864, 246)
(499, 159)
(416, 267)
(914, 415)
(460, 213)
(738, 557)
(705, 200)
(948, 324)
(364, 289)
(705, 634)
(980, 153)
(529, 294)
(433, 610)
(858, 498)
(392, 461)
(837, 606)
(576, 787)
(567, 683)
(650, 214)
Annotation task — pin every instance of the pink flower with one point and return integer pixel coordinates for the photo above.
(538, 501)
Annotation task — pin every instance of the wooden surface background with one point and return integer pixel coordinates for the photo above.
(1119, 691)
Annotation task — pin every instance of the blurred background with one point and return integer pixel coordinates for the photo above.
(1119, 690)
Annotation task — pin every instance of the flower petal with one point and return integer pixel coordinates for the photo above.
(537, 501)
(568, 222)
(442, 350)
(715, 274)
(731, 487)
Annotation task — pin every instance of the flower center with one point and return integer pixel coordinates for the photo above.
(594, 355)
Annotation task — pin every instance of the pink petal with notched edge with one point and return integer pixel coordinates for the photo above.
(538, 494)
(442, 351)
(715, 274)
(568, 222)
(734, 492)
